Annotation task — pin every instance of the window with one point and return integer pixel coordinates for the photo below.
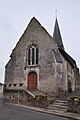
(32, 55)
(57, 57)
(36, 55)
(33, 51)
(29, 56)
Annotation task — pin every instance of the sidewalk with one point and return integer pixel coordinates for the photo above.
(74, 116)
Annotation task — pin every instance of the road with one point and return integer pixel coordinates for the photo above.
(11, 112)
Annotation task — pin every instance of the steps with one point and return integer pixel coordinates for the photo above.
(35, 93)
(58, 106)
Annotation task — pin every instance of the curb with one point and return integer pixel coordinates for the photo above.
(69, 115)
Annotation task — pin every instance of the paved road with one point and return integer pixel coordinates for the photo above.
(11, 112)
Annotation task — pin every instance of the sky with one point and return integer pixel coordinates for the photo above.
(16, 14)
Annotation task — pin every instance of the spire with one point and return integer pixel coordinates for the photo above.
(57, 34)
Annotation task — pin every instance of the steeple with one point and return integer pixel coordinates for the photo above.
(57, 35)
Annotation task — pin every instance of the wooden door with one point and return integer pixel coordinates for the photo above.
(32, 81)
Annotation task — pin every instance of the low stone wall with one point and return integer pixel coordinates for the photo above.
(74, 104)
(22, 97)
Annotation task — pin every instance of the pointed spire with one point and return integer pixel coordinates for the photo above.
(57, 34)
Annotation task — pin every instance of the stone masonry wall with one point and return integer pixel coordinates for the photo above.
(34, 34)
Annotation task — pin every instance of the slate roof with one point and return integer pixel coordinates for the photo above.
(57, 35)
(57, 57)
(58, 39)
(68, 58)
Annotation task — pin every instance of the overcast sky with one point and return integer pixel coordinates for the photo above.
(16, 14)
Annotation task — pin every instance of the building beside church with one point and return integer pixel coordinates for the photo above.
(40, 62)
(1, 92)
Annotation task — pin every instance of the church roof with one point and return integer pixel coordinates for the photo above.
(58, 39)
(68, 58)
(57, 35)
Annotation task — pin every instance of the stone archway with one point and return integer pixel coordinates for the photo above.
(32, 81)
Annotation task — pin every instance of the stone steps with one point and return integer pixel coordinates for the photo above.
(35, 93)
(58, 106)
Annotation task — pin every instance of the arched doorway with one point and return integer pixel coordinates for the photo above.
(32, 81)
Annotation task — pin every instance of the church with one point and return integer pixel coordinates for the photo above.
(39, 62)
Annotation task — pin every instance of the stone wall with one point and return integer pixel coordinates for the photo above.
(23, 97)
(68, 75)
(16, 68)
(74, 104)
(78, 80)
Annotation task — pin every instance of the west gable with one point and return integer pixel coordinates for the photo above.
(35, 33)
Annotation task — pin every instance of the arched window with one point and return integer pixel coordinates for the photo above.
(32, 55)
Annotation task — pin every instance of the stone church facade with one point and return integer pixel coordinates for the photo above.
(40, 62)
